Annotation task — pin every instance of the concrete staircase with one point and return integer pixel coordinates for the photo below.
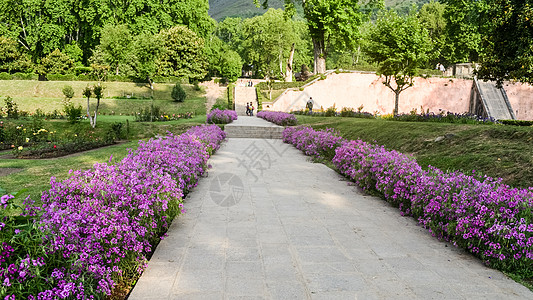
(253, 128)
(490, 101)
(243, 95)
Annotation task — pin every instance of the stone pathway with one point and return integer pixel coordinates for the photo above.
(268, 224)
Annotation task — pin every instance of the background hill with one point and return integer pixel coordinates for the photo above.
(220, 9)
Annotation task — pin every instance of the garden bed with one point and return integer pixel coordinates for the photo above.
(111, 217)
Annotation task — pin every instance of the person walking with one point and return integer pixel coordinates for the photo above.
(247, 109)
(251, 109)
(310, 105)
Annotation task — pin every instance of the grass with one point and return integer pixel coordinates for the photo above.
(36, 173)
(48, 96)
(493, 150)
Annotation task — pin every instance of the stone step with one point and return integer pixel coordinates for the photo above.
(257, 132)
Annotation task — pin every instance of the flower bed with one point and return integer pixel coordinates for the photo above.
(99, 225)
(217, 116)
(278, 117)
(480, 214)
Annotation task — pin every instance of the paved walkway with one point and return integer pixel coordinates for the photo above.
(268, 224)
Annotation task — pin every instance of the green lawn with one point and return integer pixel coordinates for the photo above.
(494, 150)
(48, 96)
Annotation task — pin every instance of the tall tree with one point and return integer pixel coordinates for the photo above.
(508, 42)
(267, 42)
(41, 26)
(328, 21)
(183, 54)
(464, 29)
(431, 16)
(12, 59)
(115, 43)
(146, 50)
(399, 45)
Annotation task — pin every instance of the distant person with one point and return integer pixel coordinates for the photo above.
(251, 109)
(442, 68)
(247, 109)
(310, 105)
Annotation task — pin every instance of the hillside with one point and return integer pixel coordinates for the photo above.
(220, 9)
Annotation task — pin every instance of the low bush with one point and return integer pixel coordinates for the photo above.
(277, 117)
(155, 114)
(517, 122)
(217, 116)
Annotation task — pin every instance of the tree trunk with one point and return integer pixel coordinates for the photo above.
(96, 112)
(396, 100)
(116, 72)
(89, 114)
(288, 73)
(319, 56)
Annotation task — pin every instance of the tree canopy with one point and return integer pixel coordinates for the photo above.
(508, 42)
(42, 26)
(328, 21)
(399, 45)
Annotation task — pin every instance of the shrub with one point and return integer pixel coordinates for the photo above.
(217, 116)
(178, 93)
(5, 76)
(68, 91)
(73, 113)
(11, 108)
(517, 122)
(278, 117)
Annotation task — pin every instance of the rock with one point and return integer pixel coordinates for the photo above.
(439, 138)
(449, 135)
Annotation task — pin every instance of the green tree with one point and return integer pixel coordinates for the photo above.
(464, 29)
(214, 51)
(332, 24)
(75, 53)
(42, 26)
(183, 54)
(56, 63)
(231, 65)
(68, 91)
(115, 44)
(267, 43)
(508, 42)
(98, 92)
(178, 93)
(399, 45)
(146, 50)
(12, 59)
(431, 16)
(88, 93)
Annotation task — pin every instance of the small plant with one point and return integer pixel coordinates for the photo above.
(68, 91)
(11, 108)
(178, 93)
(331, 111)
(73, 113)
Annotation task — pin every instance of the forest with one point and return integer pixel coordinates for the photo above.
(142, 40)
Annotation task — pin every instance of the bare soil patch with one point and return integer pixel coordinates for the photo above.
(8, 171)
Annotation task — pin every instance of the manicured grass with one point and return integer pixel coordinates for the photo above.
(494, 150)
(48, 96)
